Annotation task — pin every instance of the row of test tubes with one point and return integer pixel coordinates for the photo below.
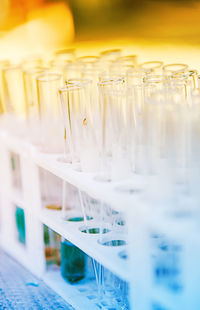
(134, 125)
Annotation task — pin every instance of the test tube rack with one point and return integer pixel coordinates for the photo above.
(142, 224)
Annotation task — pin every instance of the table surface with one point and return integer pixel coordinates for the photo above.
(20, 290)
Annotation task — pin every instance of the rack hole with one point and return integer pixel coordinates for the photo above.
(113, 243)
(121, 223)
(94, 230)
(78, 219)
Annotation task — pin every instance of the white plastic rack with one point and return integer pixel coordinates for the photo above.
(147, 230)
(32, 254)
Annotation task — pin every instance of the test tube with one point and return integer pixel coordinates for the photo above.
(73, 262)
(13, 91)
(50, 114)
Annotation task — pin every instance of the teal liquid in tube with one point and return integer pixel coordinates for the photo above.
(20, 223)
(73, 262)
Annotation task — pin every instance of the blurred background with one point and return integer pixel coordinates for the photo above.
(156, 20)
(42, 25)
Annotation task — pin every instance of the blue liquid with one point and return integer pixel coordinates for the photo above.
(72, 262)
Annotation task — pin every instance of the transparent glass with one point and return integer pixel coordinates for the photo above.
(111, 54)
(136, 101)
(31, 62)
(115, 292)
(73, 70)
(65, 54)
(164, 138)
(50, 113)
(107, 57)
(156, 79)
(189, 79)
(88, 61)
(93, 74)
(154, 66)
(146, 127)
(136, 76)
(175, 68)
(111, 76)
(116, 68)
(51, 190)
(59, 65)
(3, 63)
(129, 60)
(156, 83)
(13, 91)
(77, 81)
(80, 113)
(30, 87)
(48, 85)
(183, 89)
(115, 113)
(193, 77)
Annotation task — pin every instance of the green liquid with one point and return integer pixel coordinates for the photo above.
(95, 231)
(114, 243)
(78, 219)
(20, 223)
(72, 262)
(13, 162)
